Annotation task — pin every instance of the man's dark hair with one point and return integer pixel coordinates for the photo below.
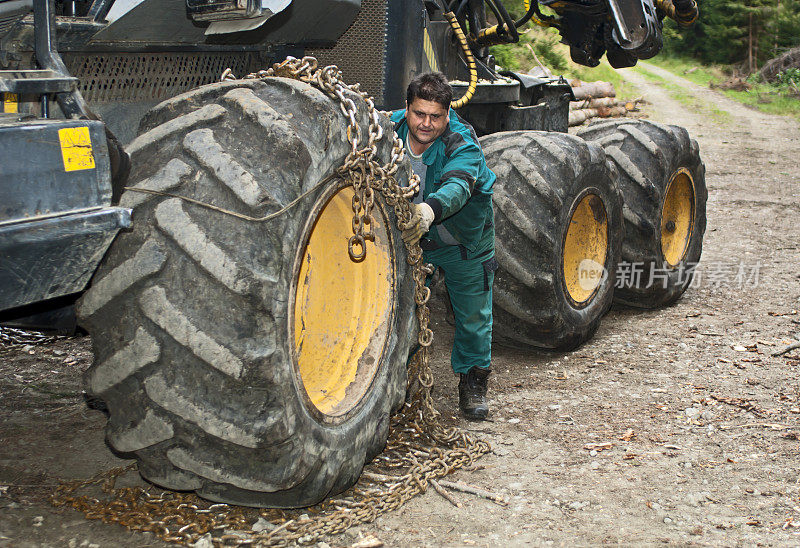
(432, 86)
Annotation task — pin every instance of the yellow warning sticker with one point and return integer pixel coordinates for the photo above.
(76, 148)
(10, 103)
(429, 53)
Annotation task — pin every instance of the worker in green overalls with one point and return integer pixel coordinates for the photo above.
(453, 222)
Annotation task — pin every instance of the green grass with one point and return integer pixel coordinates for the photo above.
(765, 97)
(686, 98)
(691, 70)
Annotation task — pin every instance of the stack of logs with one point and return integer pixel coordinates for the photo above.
(597, 99)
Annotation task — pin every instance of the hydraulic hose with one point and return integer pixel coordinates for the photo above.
(528, 5)
(508, 24)
(531, 13)
(461, 7)
(684, 12)
(473, 69)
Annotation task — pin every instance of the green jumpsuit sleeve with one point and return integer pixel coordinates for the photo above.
(459, 174)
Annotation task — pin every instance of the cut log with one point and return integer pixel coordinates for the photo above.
(577, 117)
(593, 103)
(611, 112)
(633, 105)
(589, 90)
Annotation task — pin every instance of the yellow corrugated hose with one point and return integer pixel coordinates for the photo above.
(473, 69)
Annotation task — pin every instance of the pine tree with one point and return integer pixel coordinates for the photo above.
(783, 28)
(742, 32)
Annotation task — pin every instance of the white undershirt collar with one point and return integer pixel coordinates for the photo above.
(415, 156)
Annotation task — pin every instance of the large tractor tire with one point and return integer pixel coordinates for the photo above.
(250, 361)
(662, 181)
(558, 222)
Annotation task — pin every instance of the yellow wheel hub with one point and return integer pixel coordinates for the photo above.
(585, 249)
(342, 309)
(677, 217)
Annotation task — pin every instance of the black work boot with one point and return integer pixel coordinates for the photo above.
(472, 393)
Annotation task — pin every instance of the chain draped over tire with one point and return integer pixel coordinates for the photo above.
(419, 447)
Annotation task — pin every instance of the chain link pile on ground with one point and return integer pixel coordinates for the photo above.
(419, 448)
(15, 338)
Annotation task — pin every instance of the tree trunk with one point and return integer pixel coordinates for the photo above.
(755, 51)
(750, 44)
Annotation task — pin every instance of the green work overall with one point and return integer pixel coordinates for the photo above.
(469, 277)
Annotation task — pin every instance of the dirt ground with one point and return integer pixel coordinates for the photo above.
(695, 424)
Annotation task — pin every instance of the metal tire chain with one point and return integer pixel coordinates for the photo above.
(419, 447)
(11, 337)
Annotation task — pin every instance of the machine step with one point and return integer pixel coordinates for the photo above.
(35, 82)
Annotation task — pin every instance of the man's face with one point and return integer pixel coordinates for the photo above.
(427, 120)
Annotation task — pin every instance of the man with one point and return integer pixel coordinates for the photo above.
(453, 221)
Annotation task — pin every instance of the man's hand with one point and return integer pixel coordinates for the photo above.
(420, 223)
